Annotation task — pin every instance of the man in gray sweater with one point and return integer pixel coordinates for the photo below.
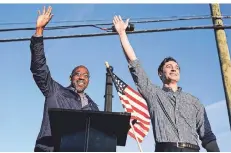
(178, 118)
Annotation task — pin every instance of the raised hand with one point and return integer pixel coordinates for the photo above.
(44, 18)
(119, 24)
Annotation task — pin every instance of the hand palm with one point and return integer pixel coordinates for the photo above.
(44, 18)
(119, 24)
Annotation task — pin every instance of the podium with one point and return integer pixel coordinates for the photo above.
(88, 131)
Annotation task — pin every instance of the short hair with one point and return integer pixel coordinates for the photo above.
(167, 59)
(73, 71)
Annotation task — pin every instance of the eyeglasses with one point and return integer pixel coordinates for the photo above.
(78, 74)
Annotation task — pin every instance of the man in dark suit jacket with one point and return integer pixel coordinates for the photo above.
(56, 96)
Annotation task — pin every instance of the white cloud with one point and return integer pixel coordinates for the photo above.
(218, 117)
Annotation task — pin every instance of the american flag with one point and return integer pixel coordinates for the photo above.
(133, 103)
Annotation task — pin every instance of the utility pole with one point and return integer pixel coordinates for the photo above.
(223, 53)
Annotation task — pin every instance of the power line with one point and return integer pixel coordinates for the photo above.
(129, 32)
(185, 18)
(100, 20)
(107, 24)
(54, 28)
(96, 20)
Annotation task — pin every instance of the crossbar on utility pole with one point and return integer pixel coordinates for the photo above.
(224, 56)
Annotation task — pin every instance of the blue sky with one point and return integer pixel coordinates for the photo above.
(22, 102)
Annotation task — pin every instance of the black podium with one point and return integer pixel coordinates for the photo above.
(88, 131)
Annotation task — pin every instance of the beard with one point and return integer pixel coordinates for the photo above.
(78, 88)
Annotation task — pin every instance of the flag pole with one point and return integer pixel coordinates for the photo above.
(136, 137)
(108, 66)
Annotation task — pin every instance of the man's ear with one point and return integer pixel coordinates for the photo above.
(70, 77)
(160, 75)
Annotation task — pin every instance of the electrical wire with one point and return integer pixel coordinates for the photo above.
(100, 20)
(55, 28)
(107, 29)
(129, 32)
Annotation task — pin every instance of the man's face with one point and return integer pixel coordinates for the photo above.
(171, 72)
(80, 79)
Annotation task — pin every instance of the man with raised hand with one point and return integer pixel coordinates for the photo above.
(178, 118)
(56, 96)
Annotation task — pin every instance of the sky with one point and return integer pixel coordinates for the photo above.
(22, 103)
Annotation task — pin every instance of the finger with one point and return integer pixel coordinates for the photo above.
(114, 22)
(49, 10)
(44, 10)
(51, 16)
(120, 18)
(127, 21)
(116, 19)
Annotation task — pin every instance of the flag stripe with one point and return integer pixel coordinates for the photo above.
(134, 91)
(133, 104)
(137, 106)
(137, 96)
(138, 113)
(130, 110)
(145, 126)
(135, 99)
(137, 134)
(133, 136)
(138, 130)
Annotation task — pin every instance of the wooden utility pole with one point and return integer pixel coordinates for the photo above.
(224, 56)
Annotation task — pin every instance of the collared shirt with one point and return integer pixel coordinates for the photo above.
(84, 100)
(83, 97)
(186, 111)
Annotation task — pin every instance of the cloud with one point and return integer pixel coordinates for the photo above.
(218, 117)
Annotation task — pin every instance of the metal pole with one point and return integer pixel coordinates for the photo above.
(224, 56)
(108, 92)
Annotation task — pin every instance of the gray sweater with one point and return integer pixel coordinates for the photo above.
(186, 111)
